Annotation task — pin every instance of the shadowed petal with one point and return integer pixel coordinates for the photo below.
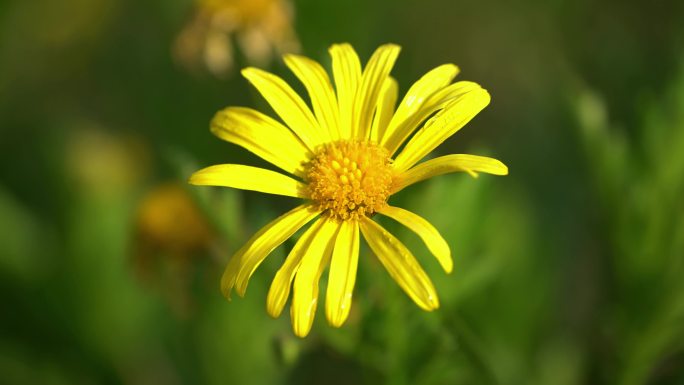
(250, 256)
(430, 236)
(305, 296)
(280, 287)
(400, 264)
(342, 274)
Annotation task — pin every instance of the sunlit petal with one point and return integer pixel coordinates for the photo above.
(472, 164)
(384, 109)
(372, 80)
(413, 105)
(347, 73)
(249, 178)
(320, 90)
(443, 125)
(263, 136)
(288, 105)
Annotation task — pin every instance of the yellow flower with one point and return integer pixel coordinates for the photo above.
(344, 165)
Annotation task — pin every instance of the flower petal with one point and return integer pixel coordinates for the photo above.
(249, 178)
(266, 240)
(347, 73)
(430, 236)
(372, 80)
(403, 122)
(451, 119)
(230, 274)
(321, 92)
(280, 287)
(472, 164)
(384, 109)
(287, 104)
(432, 104)
(248, 257)
(263, 136)
(342, 275)
(400, 264)
(305, 296)
(446, 95)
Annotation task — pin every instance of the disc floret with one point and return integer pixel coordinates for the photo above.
(350, 179)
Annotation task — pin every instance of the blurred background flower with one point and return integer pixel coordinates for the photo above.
(171, 237)
(262, 29)
(565, 272)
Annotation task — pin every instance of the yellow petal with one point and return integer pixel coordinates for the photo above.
(230, 274)
(400, 264)
(249, 256)
(249, 178)
(430, 106)
(446, 95)
(305, 296)
(280, 287)
(384, 109)
(403, 122)
(342, 274)
(430, 236)
(347, 73)
(472, 164)
(263, 136)
(320, 90)
(451, 119)
(372, 80)
(266, 240)
(287, 104)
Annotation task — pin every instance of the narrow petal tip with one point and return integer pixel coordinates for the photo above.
(302, 319)
(192, 180)
(336, 322)
(504, 168)
(430, 305)
(454, 69)
(448, 266)
(486, 96)
(226, 290)
(337, 46)
(390, 46)
(497, 167)
(249, 71)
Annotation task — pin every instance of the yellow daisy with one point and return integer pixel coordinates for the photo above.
(344, 163)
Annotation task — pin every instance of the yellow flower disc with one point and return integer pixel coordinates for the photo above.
(350, 179)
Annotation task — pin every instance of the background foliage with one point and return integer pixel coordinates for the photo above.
(567, 271)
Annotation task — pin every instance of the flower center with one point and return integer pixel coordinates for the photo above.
(350, 179)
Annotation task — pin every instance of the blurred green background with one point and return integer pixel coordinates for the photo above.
(567, 271)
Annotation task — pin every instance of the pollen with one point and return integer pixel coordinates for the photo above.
(350, 179)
